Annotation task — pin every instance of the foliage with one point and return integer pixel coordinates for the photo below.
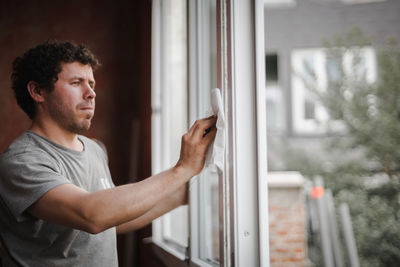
(370, 112)
(364, 160)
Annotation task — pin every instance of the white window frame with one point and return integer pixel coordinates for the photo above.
(249, 135)
(243, 185)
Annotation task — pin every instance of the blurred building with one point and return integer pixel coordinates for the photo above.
(294, 34)
(297, 123)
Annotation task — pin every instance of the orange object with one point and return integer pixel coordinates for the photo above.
(317, 192)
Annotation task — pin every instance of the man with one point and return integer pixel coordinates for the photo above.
(58, 206)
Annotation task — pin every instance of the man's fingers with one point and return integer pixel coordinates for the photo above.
(193, 128)
(200, 122)
(208, 130)
(202, 127)
(195, 142)
(210, 135)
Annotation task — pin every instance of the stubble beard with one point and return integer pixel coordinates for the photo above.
(68, 119)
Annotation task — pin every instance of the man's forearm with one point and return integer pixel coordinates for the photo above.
(125, 203)
(95, 212)
(171, 202)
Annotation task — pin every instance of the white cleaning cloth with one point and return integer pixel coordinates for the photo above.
(216, 151)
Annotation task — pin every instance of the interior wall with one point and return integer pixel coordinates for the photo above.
(119, 33)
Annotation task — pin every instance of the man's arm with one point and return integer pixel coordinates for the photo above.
(172, 201)
(95, 212)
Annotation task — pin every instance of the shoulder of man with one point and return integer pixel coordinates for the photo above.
(95, 144)
(23, 145)
(24, 149)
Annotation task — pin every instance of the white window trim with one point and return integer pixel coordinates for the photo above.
(249, 134)
(263, 203)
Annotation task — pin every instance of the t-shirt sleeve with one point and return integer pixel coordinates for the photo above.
(24, 178)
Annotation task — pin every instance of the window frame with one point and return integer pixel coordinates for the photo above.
(249, 134)
(243, 189)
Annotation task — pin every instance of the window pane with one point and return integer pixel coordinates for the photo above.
(271, 66)
(331, 166)
(333, 68)
(208, 179)
(309, 113)
(209, 226)
(175, 224)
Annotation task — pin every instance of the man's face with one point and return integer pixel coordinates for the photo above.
(71, 104)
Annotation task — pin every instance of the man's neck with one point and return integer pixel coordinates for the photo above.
(58, 135)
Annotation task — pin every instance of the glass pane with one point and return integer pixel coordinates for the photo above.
(334, 179)
(209, 225)
(309, 113)
(333, 68)
(271, 60)
(208, 179)
(175, 223)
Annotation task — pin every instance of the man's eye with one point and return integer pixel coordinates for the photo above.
(75, 83)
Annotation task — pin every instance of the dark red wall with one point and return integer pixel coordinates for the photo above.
(119, 33)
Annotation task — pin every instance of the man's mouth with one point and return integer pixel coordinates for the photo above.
(87, 108)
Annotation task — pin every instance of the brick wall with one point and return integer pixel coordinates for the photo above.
(287, 219)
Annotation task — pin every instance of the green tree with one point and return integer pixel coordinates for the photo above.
(370, 112)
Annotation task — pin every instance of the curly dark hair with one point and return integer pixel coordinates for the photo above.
(42, 64)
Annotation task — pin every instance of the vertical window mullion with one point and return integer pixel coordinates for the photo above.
(263, 203)
(246, 173)
(225, 178)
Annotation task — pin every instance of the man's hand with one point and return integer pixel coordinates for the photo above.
(195, 143)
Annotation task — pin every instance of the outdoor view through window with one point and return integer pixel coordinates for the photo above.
(333, 123)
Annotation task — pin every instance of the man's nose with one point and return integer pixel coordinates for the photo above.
(89, 93)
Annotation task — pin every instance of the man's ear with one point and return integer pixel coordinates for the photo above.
(35, 91)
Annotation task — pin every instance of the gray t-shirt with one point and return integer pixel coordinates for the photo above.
(29, 168)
